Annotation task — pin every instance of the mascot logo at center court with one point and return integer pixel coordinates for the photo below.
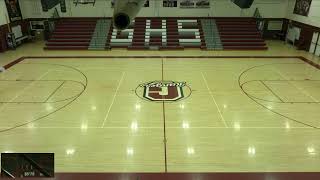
(163, 90)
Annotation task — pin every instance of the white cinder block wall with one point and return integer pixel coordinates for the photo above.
(219, 8)
(3, 13)
(314, 13)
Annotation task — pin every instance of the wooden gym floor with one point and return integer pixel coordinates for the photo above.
(238, 114)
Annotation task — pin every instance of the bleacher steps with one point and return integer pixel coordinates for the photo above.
(100, 35)
(211, 34)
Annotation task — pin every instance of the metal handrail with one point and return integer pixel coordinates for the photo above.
(259, 19)
(56, 14)
(7, 172)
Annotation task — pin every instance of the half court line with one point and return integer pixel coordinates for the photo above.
(164, 123)
(113, 99)
(214, 100)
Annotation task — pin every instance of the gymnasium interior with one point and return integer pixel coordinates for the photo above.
(160, 89)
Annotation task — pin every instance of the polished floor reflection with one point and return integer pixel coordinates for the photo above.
(242, 115)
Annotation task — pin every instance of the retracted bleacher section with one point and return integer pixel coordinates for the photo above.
(240, 34)
(158, 33)
(73, 34)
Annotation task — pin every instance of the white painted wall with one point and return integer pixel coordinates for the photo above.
(267, 8)
(219, 8)
(3, 13)
(33, 9)
(314, 13)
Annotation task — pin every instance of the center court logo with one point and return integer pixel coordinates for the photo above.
(163, 91)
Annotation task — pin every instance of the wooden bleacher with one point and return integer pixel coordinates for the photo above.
(159, 33)
(240, 34)
(72, 34)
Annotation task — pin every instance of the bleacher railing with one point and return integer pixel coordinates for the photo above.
(50, 24)
(259, 20)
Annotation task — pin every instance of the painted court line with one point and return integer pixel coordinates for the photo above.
(115, 127)
(113, 99)
(298, 88)
(23, 90)
(63, 82)
(265, 85)
(214, 100)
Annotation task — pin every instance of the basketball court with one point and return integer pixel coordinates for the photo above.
(160, 89)
(236, 113)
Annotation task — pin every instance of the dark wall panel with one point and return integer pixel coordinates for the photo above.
(63, 6)
(243, 4)
(49, 4)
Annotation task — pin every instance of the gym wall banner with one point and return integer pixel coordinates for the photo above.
(147, 3)
(203, 4)
(302, 7)
(112, 3)
(170, 3)
(13, 8)
(194, 4)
